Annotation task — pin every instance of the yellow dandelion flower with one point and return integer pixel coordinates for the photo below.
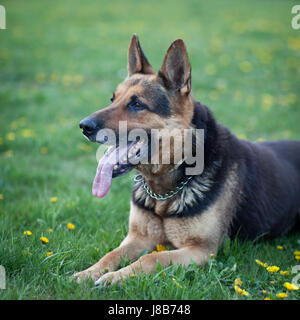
(28, 233)
(50, 230)
(261, 263)
(245, 66)
(70, 226)
(284, 273)
(44, 240)
(290, 286)
(53, 199)
(54, 77)
(21, 121)
(210, 69)
(237, 96)
(296, 253)
(10, 136)
(1, 196)
(27, 133)
(266, 101)
(291, 98)
(238, 282)
(281, 295)
(50, 253)
(85, 147)
(297, 257)
(214, 95)
(273, 269)
(66, 80)
(160, 247)
(44, 150)
(279, 247)
(7, 154)
(272, 282)
(154, 251)
(294, 43)
(241, 136)
(177, 284)
(286, 134)
(40, 77)
(240, 291)
(267, 298)
(265, 57)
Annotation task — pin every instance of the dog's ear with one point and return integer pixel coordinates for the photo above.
(176, 68)
(137, 61)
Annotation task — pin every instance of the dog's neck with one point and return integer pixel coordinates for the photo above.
(162, 178)
(200, 191)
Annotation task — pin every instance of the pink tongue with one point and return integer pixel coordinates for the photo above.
(103, 177)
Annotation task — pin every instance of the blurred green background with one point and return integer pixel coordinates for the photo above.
(61, 61)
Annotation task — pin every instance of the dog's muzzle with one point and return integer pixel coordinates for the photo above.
(90, 127)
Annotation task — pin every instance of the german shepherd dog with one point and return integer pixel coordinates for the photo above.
(246, 188)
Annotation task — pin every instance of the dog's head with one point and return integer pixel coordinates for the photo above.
(144, 101)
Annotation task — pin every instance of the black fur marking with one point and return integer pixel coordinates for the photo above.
(213, 172)
(270, 183)
(268, 173)
(157, 98)
(162, 105)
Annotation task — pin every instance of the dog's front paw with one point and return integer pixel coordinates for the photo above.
(85, 275)
(109, 278)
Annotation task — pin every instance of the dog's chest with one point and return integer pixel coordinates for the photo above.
(181, 232)
(177, 231)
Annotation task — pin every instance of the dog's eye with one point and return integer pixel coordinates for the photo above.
(136, 106)
(112, 97)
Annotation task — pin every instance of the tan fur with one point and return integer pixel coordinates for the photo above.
(194, 238)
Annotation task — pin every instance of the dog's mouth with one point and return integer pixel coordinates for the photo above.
(117, 161)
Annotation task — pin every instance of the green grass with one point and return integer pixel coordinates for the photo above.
(61, 61)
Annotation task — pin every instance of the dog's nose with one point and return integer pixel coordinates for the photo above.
(89, 127)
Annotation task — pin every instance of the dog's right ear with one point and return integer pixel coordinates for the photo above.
(176, 68)
(137, 61)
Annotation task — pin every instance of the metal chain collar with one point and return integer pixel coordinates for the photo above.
(168, 195)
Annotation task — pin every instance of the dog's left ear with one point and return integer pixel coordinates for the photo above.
(176, 68)
(137, 61)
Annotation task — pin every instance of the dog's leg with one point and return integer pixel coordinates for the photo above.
(145, 232)
(147, 263)
(130, 248)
